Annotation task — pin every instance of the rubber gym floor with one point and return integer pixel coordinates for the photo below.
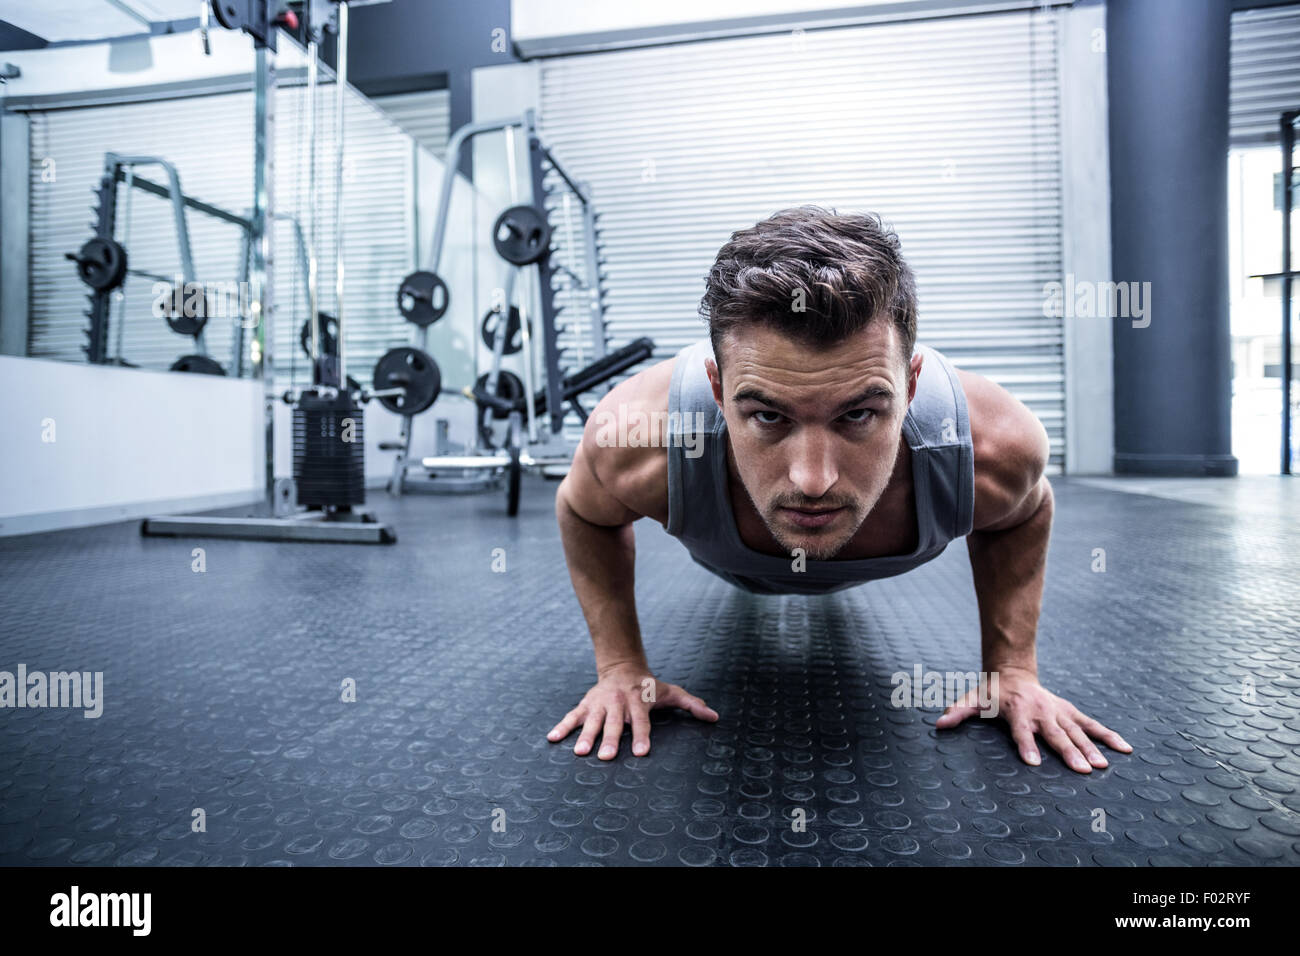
(222, 692)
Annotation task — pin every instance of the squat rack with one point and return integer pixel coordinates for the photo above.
(539, 155)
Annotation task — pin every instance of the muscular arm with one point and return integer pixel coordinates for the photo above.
(1008, 565)
(1013, 524)
(1008, 555)
(607, 489)
(600, 549)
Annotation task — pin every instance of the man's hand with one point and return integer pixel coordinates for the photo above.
(624, 693)
(1029, 708)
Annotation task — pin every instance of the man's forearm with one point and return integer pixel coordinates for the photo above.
(1009, 567)
(602, 562)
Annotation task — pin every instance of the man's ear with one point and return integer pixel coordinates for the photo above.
(715, 379)
(914, 373)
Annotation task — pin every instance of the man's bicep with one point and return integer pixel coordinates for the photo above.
(1011, 450)
(586, 495)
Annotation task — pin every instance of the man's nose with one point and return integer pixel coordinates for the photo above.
(813, 470)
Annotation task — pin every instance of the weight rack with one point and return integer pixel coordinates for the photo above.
(102, 261)
(435, 478)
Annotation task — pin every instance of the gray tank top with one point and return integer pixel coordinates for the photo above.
(937, 429)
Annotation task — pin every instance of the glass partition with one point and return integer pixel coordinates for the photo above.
(182, 116)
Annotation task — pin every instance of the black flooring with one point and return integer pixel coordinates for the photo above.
(222, 693)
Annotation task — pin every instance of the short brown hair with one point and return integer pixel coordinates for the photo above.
(849, 267)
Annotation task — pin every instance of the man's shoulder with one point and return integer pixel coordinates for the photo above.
(1010, 449)
(625, 441)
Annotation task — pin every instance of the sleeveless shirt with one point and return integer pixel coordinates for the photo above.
(936, 428)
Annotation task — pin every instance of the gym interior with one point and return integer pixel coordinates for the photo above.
(305, 311)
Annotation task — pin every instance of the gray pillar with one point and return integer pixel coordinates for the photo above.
(15, 195)
(1167, 72)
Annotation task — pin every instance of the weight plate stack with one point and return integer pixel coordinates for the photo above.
(329, 452)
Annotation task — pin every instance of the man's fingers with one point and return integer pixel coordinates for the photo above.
(1023, 734)
(1086, 746)
(613, 731)
(677, 697)
(589, 731)
(1062, 744)
(1095, 728)
(640, 717)
(565, 726)
(954, 715)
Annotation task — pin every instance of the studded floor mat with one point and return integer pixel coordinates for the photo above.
(226, 676)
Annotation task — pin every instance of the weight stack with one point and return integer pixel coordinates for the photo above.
(329, 452)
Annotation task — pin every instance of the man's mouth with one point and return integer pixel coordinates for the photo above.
(811, 517)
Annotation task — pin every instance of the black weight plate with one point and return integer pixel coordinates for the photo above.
(521, 235)
(412, 369)
(514, 341)
(423, 298)
(101, 263)
(509, 387)
(512, 484)
(197, 363)
(185, 313)
(329, 330)
(227, 15)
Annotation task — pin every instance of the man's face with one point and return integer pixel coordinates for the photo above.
(815, 430)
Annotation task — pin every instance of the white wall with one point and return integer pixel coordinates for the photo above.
(138, 61)
(131, 442)
(548, 27)
(531, 18)
(127, 442)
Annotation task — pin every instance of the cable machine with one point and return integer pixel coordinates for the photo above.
(322, 503)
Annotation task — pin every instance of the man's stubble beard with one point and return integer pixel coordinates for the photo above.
(813, 549)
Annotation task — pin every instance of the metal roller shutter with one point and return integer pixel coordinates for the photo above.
(950, 129)
(217, 168)
(1264, 73)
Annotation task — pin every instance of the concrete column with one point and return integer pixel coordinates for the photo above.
(1167, 73)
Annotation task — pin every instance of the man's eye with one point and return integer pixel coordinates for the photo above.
(860, 415)
(775, 419)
